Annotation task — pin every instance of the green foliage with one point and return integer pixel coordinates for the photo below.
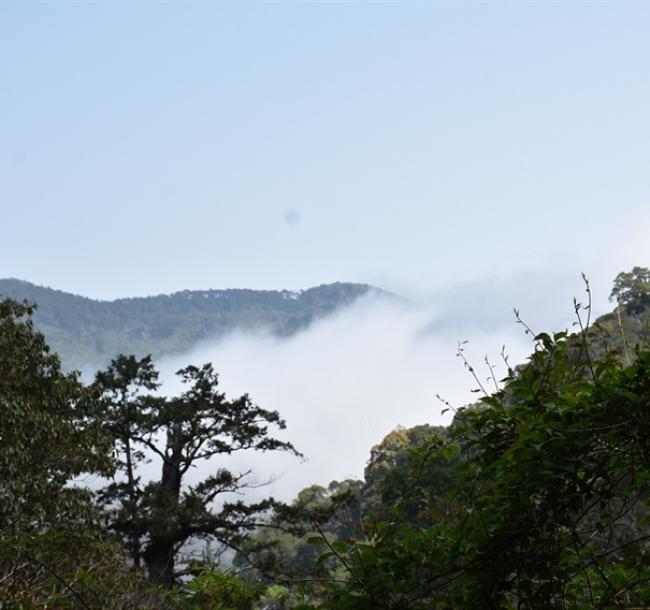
(286, 550)
(215, 590)
(403, 479)
(278, 597)
(551, 505)
(402, 465)
(125, 417)
(632, 290)
(52, 553)
(48, 436)
(70, 567)
(200, 424)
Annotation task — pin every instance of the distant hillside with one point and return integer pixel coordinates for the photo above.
(622, 335)
(87, 332)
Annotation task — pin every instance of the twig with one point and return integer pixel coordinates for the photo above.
(460, 353)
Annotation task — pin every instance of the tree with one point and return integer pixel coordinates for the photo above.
(46, 430)
(632, 290)
(282, 551)
(200, 424)
(121, 385)
(396, 468)
(48, 436)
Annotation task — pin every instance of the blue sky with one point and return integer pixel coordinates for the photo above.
(152, 147)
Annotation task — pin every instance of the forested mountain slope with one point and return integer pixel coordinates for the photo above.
(536, 496)
(87, 332)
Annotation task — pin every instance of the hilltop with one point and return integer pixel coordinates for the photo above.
(87, 332)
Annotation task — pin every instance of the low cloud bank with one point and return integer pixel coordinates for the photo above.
(349, 379)
(344, 383)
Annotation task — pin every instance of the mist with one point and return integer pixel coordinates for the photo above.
(346, 382)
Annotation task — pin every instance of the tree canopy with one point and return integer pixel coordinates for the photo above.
(158, 517)
(632, 290)
(50, 532)
(47, 430)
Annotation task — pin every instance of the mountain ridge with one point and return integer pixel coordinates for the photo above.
(87, 332)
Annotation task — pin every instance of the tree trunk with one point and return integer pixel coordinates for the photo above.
(134, 537)
(160, 562)
(160, 551)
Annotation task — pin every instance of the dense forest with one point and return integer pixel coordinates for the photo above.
(88, 333)
(536, 496)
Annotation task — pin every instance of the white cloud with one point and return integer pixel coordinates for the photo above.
(344, 383)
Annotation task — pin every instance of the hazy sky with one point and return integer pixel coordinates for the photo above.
(475, 155)
(151, 147)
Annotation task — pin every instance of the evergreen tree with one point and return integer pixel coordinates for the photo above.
(200, 424)
(632, 290)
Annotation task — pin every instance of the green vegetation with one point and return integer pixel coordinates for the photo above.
(52, 547)
(88, 333)
(632, 290)
(180, 433)
(550, 508)
(537, 496)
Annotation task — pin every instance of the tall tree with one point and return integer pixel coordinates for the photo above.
(122, 385)
(48, 436)
(631, 290)
(46, 432)
(198, 425)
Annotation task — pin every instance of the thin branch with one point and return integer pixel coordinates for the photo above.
(460, 353)
(492, 376)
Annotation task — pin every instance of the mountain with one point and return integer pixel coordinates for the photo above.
(87, 332)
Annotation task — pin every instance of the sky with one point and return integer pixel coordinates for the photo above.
(458, 149)
(472, 157)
